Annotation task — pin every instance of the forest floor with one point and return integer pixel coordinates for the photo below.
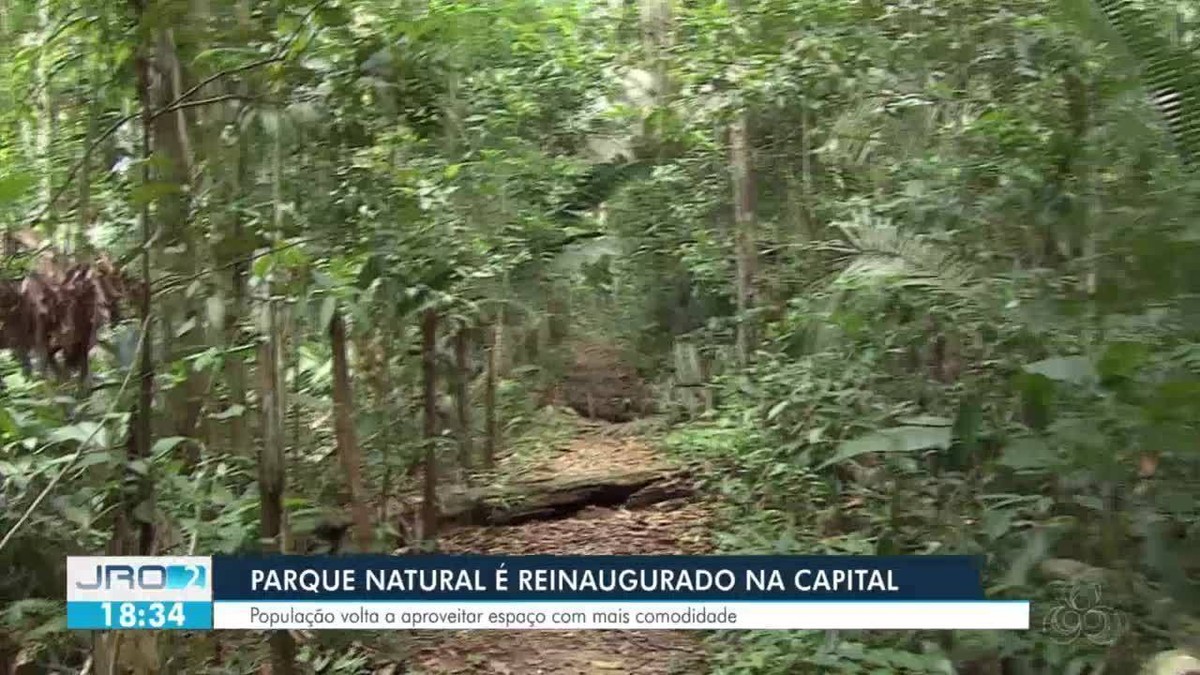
(678, 525)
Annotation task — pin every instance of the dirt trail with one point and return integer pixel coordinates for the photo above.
(675, 526)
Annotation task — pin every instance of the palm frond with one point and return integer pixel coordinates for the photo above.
(1171, 72)
(879, 253)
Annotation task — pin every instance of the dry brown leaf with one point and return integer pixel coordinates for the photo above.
(1147, 464)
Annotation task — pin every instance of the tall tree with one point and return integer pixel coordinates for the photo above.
(347, 439)
(429, 505)
(745, 240)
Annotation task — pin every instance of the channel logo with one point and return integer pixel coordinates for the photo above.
(126, 577)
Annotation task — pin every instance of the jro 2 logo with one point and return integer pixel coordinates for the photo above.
(144, 577)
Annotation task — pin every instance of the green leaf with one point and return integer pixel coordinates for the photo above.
(1073, 369)
(235, 410)
(8, 422)
(1029, 453)
(997, 523)
(14, 185)
(968, 422)
(333, 16)
(149, 192)
(1122, 360)
(372, 269)
(165, 445)
(90, 433)
(898, 439)
(263, 265)
(91, 459)
(1034, 551)
(777, 409)
(77, 515)
(1037, 399)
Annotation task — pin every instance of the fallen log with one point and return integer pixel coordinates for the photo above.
(562, 497)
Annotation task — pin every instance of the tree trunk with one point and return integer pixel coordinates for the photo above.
(120, 651)
(235, 361)
(429, 507)
(655, 19)
(462, 398)
(347, 442)
(172, 139)
(142, 428)
(45, 111)
(84, 211)
(745, 245)
(383, 402)
(271, 475)
(492, 440)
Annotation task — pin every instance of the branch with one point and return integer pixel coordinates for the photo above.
(213, 78)
(201, 102)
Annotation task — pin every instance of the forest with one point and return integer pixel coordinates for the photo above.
(612, 277)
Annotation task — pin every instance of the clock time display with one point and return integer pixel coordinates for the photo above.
(145, 615)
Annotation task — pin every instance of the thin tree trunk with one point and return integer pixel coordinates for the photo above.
(272, 475)
(383, 399)
(119, 651)
(655, 17)
(492, 441)
(272, 467)
(45, 112)
(142, 427)
(172, 138)
(235, 362)
(240, 426)
(745, 244)
(462, 398)
(499, 338)
(84, 211)
(429, 507)
(347, 441)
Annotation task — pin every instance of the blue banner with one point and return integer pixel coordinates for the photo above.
(139, 614)
(596, 578)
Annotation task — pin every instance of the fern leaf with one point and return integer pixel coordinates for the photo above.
(880, 252)
(1171, 73)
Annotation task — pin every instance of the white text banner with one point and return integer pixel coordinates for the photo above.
(859, 615)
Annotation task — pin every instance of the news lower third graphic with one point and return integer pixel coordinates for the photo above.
(535, 592)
